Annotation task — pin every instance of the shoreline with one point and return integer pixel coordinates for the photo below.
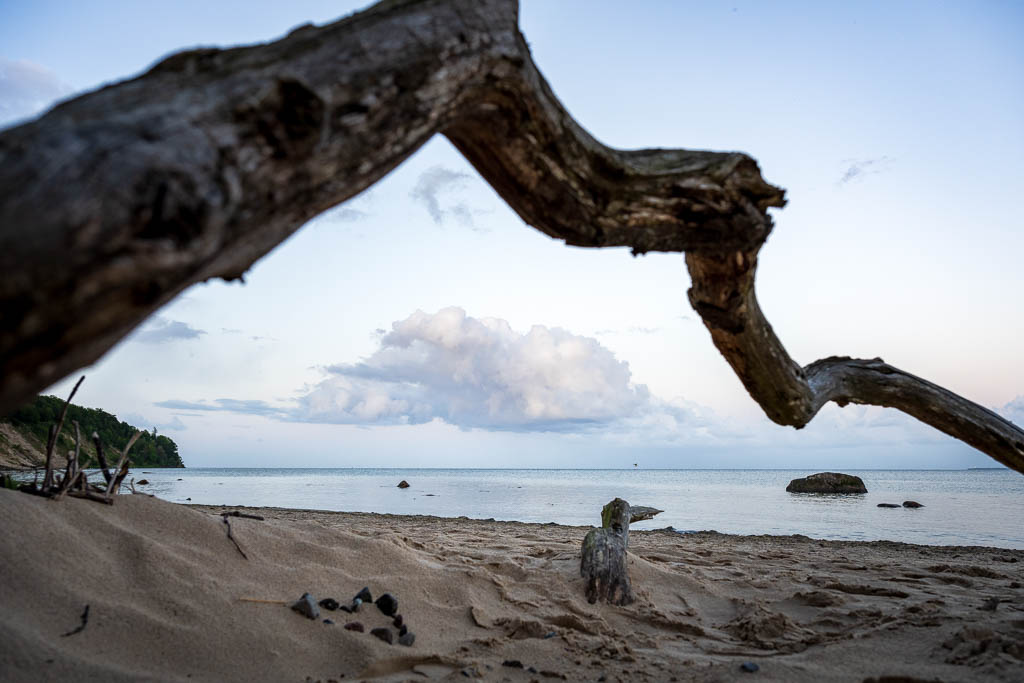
(164, 585)
(311, 514)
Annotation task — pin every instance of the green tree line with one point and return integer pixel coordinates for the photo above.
(151, 449)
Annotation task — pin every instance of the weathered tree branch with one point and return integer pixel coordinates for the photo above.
(723, 294)
(202, 165)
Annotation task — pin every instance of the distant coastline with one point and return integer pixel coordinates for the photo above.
(24, 433)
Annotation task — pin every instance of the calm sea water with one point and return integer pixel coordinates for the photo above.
(962, 507)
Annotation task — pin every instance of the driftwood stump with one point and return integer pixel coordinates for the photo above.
(603, 561)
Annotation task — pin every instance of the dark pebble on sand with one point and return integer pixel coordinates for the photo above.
(397, 621)
(387, 604)
(513, 663)
(550, 634)
(531, 670)
(354, 626)
(345, 608)
(403, 630)
(306, 606)
(384, 633)
(356, 602)
(749, 667)
(364, 595)
(329, 603)
(328, 621)
(407, 639)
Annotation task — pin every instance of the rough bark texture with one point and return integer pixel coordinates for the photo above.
(114, 202)
(603, 557)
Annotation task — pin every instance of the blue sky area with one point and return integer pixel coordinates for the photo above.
(423, 324)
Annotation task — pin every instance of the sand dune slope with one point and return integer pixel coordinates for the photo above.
(163, 584)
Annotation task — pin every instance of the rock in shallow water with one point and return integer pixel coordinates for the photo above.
(403, 484)
(888, 505)
(912, 504)
(306, 606)
(828, 482)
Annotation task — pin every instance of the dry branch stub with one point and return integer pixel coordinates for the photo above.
(603, 561)
(157, 193)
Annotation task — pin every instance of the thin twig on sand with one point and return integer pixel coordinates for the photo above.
(80, 627)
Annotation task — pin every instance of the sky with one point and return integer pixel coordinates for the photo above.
(422, 324)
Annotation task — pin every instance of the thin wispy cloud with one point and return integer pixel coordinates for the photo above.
(343, 214)
(137, 420)
(26, 89)
(856, 170)
(229, 405)
(162, 330)
(437, 190)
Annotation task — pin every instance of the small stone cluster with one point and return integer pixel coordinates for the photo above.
(308, 607)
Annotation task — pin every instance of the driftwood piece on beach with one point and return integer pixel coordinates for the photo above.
(200, 166)
(231, 537)
(603, 557)
(641, 513)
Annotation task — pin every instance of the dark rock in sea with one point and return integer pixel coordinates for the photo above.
(828, 482)
(749, 667)
(354, 626)
(142, 482)
(407, 639)
(513, 663)
(397, 621)
(888, 505)
(384, 633)
(306, 606)
(912, 504)
(364, 595)
(403, 484)
(329, 603)
(387, 604)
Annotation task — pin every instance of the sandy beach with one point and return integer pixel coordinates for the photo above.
(171, 598)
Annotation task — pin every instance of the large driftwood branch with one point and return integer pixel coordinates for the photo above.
(202, 165)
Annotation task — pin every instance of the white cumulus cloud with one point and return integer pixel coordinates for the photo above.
(479, 373)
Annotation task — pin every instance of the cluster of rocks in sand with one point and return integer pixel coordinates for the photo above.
(308, 607)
